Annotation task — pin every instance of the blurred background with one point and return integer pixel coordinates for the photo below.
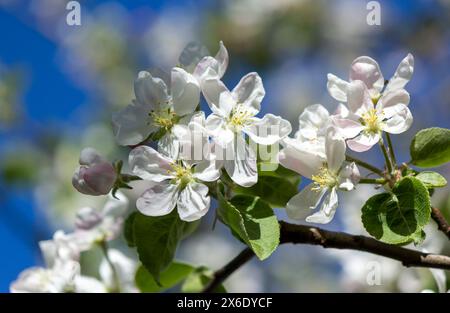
(59, 85)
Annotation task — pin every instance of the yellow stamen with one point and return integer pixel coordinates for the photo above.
(239, 117)
(371, 121)
(183, 174)
(324, 179)
(164, 118)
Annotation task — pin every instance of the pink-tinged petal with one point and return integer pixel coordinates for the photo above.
(348, 128)
(307, 199)
(100, 177)
(185, 91)
(242, 165)
(89, 156)
(392, 102)
(358, 98)
(337, 87)
(327, 211)
(193, 202)
(402, 75)
(149, 164)
(305, 163)
(363, 142)
(149, 90)
(400, 121)
(349, 176)
(334, 149)
(268, 130)
(368, 71)
(249, 92)
(159, 200)
(342, 111)
(313, 121)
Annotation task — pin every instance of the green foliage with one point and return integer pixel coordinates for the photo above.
(198, 279)
(431, 147)
(156, 239)
(253, 221)
(398, 217)
(175, 273)
(128, 232)
(432, 179)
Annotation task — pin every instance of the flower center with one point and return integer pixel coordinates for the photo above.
(371, 121)
(183, 174)
(239, 117)
(324, 179)
(164, 119)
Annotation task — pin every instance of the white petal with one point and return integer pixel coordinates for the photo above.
(207, 171)
(149, 90)
(222, 58)
(125, 269)
(185, 91)
(159, 200)
(193, 202)
(217, 128)
(348, 177)
(249, 92)
(212, 88)
(242, 168)
(313, 120)
(337, 87)
(348, 128)
(307, 199)
(191, 55)
(342, 111)
(218, 64)
(327, 211)
(402, 75)
(149, 164)
(305, 163)
(368, 71)
(169, 145)
(132, 125)
(392, 102)
(358, 97)
(89, 156)
(85, 284)
(334, 149)
(268, 130)
(400, 121)
(363, 142)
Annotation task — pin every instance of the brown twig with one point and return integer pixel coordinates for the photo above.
(303, 234)
(440, 220)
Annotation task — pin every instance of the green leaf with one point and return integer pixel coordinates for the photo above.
(276, 170)
(253, 221)
(398, 217)
(274, 190)
(432, 179)
(431, 147)
(175, 273)
(156, 239)
(198, 279)
(128, 232)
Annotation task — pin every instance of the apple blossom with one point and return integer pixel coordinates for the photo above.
(368, 71)
(155, 110)
(327, 172)
(178, 183)
(95, 175)
(233, 117)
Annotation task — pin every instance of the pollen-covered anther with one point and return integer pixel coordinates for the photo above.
(324, 179)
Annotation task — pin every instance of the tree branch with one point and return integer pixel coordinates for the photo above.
(440, 220)
(303, 234)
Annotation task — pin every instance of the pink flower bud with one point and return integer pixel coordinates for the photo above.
(95, 175)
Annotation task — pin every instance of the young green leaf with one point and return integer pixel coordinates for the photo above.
(156, 239)
(431, 147)
(432, 179)
(198, 279)
(253, 220)
(398, 217)
(128, 232)
(175, 273)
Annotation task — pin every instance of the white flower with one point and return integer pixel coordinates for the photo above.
(156, 110)
(94, 226)
(326, 170)
(233, 117)
(123, 274)
(368, 71)
(178, 183)
(364, 122)
(95, 175)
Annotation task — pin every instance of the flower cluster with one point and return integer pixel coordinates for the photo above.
(62, 256)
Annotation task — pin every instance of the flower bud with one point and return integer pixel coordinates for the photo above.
(95, 176)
